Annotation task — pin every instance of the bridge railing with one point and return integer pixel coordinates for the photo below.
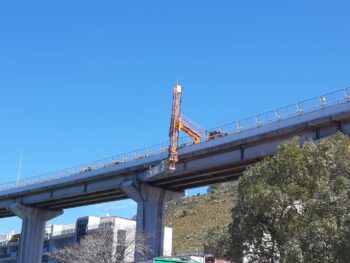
(287, 112)
(290, 111)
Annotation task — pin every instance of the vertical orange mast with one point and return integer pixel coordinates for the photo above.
(179, 123)
(174, 128)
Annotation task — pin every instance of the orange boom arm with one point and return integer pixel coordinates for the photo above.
(179, 122)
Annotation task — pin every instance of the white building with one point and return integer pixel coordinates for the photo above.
(57, 236)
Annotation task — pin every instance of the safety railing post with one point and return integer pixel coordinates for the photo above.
(299, 110)
(278, 117)
(239, 126)
(347, 97)
(322, 101)
(257, 120)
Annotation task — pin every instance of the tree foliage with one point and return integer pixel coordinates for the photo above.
(295, 206)
(216, 241)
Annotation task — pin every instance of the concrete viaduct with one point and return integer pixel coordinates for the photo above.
(222, 157)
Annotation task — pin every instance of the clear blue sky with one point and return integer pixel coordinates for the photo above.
(83, 80)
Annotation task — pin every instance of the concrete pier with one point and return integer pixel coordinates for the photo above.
(33, 230)
(150, 217)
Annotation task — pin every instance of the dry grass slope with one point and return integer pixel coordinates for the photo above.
(192, 217)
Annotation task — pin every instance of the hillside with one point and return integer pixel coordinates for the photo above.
(193, 216)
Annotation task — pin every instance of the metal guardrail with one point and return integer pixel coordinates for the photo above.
(194, 126)
(290, 111)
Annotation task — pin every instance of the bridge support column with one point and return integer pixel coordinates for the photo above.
(33, 230)
(150, 217)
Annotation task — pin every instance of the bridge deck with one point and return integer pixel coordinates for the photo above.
(223, 156)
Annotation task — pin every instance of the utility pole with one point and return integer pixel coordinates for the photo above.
(19, 167)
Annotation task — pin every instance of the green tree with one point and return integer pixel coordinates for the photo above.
(217, 241)
(295, 206)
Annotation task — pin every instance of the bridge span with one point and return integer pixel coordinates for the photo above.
(223, 156)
